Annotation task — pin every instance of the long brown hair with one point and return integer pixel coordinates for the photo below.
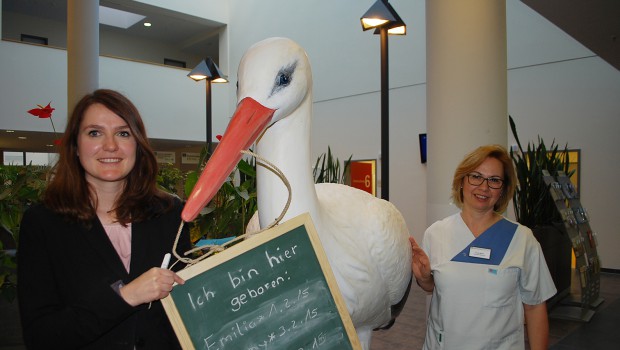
(68, 192)
(472, 161)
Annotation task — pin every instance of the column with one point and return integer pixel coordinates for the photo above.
(466, 89)
(82, 49)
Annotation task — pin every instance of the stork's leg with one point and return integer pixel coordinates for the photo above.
(364, 334)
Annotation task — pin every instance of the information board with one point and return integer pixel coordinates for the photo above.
(274, 290)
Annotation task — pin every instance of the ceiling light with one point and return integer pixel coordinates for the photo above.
(118, 18)
(147, 24)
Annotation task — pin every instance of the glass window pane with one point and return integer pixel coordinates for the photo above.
(41, 158)
(13, 158)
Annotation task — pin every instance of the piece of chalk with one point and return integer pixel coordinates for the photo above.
(164, 264)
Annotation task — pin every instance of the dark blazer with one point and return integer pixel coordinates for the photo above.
(65, 273)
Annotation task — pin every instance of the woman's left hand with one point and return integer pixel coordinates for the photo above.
(152, 285)
(421, 266)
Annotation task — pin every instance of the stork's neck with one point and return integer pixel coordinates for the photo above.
(287, 145)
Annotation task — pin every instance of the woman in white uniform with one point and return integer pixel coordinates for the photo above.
(487, 274)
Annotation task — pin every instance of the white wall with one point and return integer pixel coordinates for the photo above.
(346, 73)
(32, 75)
(559, 90)
(172, 105)
(15, 24)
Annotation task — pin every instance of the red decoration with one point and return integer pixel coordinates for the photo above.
(42, 112)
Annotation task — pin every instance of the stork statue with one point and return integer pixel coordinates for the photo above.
(365, 238)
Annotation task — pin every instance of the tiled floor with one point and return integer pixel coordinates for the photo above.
(409, 330)
(560, 329)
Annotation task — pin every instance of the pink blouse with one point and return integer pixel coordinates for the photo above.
(121, 240)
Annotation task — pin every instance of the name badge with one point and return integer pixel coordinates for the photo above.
(482, 253)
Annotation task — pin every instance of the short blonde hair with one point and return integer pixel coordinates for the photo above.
(472, 161)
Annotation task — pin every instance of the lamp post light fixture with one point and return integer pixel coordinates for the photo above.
(209, 71)
(384, 20)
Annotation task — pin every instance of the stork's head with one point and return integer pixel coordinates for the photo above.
(275, 73)
(274, 78)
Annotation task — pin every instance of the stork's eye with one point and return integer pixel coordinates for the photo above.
(283, 79)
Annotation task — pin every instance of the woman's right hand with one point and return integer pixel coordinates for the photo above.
(421, 267)
(152, 285)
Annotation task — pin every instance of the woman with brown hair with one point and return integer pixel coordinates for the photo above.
(487, 274)
(89, 255)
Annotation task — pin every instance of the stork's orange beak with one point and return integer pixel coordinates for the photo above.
(247, 123)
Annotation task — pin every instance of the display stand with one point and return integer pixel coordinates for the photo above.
(587, 265)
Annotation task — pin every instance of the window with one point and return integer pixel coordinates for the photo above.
(34, 39)
(27, 158)
(175, 63)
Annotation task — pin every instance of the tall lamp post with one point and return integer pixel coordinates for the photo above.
(209, 71)
(384, 20)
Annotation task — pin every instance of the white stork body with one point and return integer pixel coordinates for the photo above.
(365, 238)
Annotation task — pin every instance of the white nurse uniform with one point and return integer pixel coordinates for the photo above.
(481, 284)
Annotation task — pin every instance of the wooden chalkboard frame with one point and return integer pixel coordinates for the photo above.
(228, 256)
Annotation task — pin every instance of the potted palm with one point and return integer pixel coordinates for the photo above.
(535, 207)
(229, 212)
(20, 187)
(329, 171)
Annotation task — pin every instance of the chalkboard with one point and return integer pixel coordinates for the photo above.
(274, 290)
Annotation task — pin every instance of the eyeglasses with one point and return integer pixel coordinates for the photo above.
(476, 180)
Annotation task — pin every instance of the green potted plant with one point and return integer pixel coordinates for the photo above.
(170, 178)
(229, 212)
(535, 208)
(21, 186)
(329, 171)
